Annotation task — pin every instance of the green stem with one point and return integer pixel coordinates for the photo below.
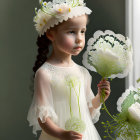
(102, 101)
(47, 12)
(70, 104)
(110, 135)
(73, 4)
(78, 99)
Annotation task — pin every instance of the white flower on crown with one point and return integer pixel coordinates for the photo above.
(61, 10)
(57, 11)
(48, 4)
(75, 2)
(41, 20)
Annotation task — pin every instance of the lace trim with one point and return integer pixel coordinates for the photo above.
(76, 11)
(54, 66)
(42, 113)
(96, 114)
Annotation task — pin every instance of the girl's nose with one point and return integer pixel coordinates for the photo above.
(78, 39)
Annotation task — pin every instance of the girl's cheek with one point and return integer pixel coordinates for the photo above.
(69, 41)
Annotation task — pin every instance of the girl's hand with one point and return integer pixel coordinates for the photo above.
(71, 135)
(104, 84)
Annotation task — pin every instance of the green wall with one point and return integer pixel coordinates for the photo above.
(18, 52)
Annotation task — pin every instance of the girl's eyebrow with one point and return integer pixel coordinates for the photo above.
(72, 27)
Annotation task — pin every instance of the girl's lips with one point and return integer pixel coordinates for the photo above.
(77, 47)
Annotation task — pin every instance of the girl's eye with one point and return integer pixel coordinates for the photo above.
(71, 32)
(83, 31)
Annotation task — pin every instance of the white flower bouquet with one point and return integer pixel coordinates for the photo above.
(126, 123)
(110, 55)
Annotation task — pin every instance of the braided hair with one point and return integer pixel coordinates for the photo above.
(43, 49)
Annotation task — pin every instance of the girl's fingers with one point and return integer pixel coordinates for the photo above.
(77, 136)
(104, 84)
(107, 92)
(105, 87)
(75, 133)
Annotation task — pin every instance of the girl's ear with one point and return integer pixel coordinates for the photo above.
(49, 35)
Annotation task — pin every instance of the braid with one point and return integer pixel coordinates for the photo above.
(43, 49)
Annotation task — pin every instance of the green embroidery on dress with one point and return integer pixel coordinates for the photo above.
(74, 123)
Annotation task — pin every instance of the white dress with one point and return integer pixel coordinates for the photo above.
(56, 93)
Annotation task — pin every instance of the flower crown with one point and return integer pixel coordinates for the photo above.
(57, 11)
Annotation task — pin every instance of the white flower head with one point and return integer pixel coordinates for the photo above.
(134, 111)
(107, 46)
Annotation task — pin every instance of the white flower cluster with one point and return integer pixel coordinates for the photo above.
(109, 54)
(130, 101)
(134, 111)
(51, 13)
(75, 124)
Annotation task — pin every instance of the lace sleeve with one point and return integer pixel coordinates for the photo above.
(95, 113)
(42, 103)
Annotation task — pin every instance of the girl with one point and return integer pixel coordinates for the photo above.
(62, 89)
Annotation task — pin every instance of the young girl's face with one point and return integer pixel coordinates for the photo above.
(69, 36)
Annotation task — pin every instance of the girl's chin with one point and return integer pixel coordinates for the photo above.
(76, 53)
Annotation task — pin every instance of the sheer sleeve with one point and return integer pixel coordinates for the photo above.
(42, 103)
(95, 113)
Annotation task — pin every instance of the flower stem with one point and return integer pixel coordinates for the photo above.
(70, 105)
(102, 101)
(78, 99)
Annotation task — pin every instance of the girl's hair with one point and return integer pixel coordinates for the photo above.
(43, 49)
